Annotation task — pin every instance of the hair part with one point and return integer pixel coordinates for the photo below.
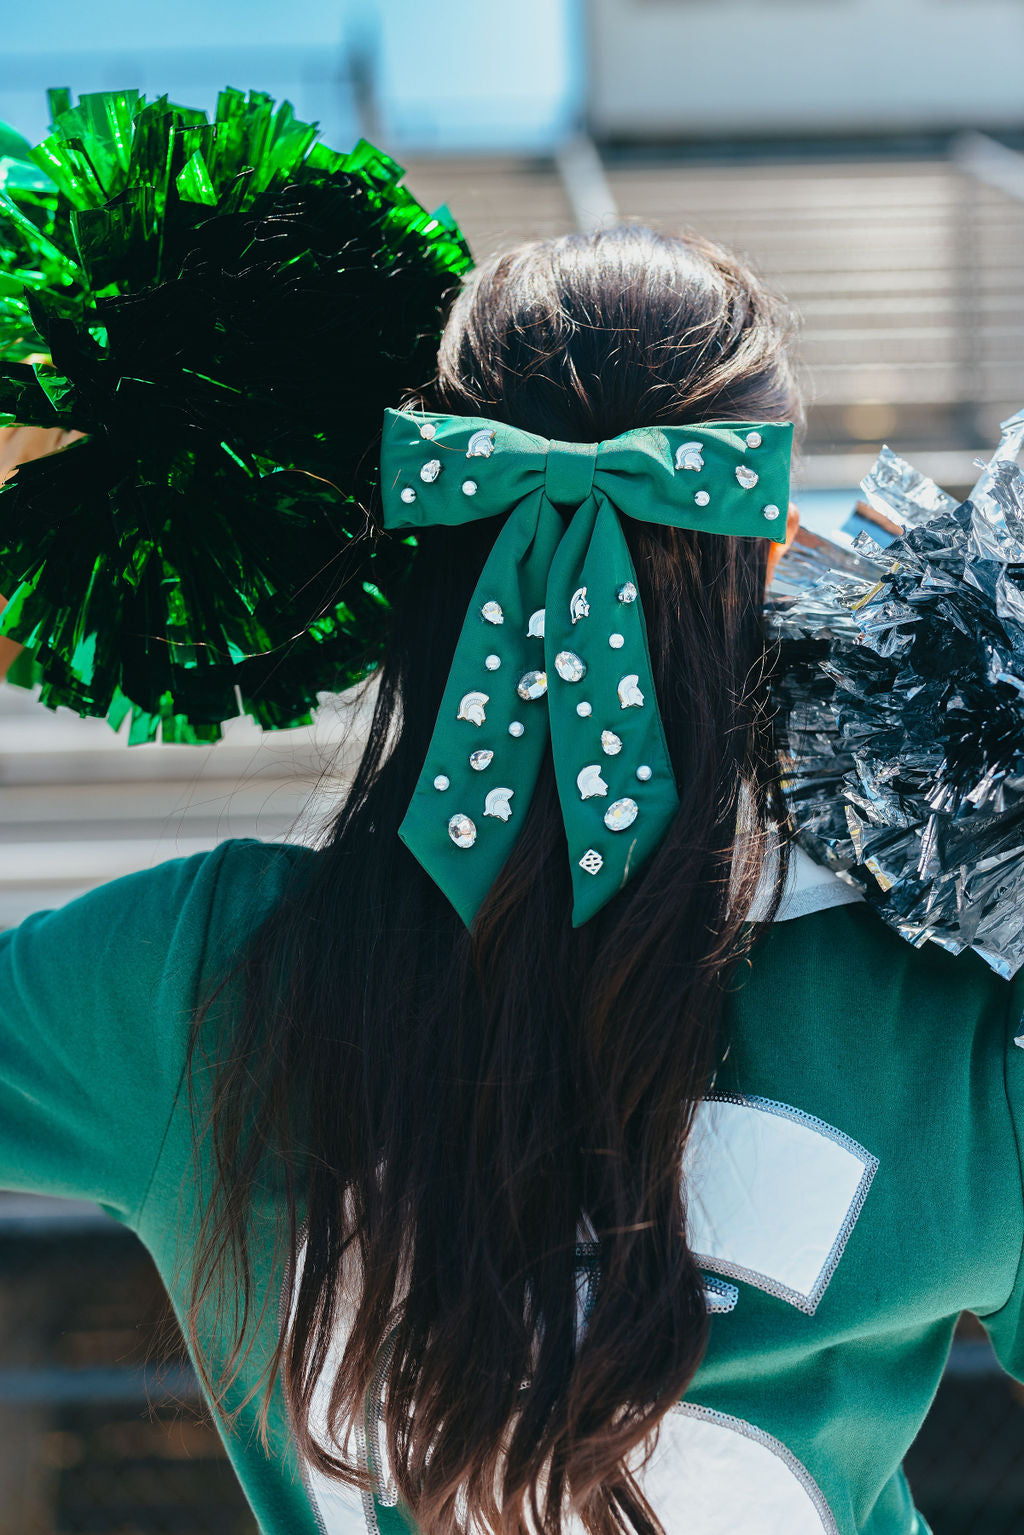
(455, 1111)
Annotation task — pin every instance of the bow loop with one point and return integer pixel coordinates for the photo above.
(554, 645)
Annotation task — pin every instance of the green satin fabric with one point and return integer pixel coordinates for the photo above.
(561, 554)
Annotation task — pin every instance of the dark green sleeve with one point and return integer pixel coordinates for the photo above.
(96, 1001)
(1006, 1326)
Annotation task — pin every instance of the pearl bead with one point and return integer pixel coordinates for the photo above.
(517, 728)
(616, 641)
(771, 512)
(643, 772)
(408, 495)
(469, 487)
(492, 663)
(583, 710)
(441, 782)
(702, 498)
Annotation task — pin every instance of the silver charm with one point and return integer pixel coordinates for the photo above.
(753, 439)
(589, 781)
(747, 477)
(579, 607)
(627, 593)
(770, 512)
(497, 803)
(430, 471)
(643, 772)
(428, 430)
(481, 444)
(569, 666)
(702, 498)
(620, 814)
(442, 782)
(517, 728)
(532, 685)
(616, 641)
(492, 663)
(462, 831)
(611, 745)
(408, 495)
(493, 613)
(472, 708)
(592, 862)
(480, 760)
(583, 709)
(469, 487)
(535, 628)
(690, 455)
(630, 696)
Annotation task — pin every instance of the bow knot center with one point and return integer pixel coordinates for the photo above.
(569, 473)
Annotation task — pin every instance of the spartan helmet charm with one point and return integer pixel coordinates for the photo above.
(579, 607)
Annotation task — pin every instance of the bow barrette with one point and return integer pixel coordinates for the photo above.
(554, 645)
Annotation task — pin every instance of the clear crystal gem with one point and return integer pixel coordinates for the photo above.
(492, 612)
(620, 814)
(481, 759)
(517, 728)
(747, 477)
(430, 471)
(771, 512)
(532, 685)
(428, 430)
(462, 831)
(611, 744)
(643, 772)
(592, 862)
(753, 439)
(442, 781)
(627, 593)
(408, 495)
(569, 666)
(469, 487)
(616, 641)
(492, 663)
(702, 498)
(583, 709)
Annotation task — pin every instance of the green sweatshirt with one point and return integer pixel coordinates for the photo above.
(854, 1182)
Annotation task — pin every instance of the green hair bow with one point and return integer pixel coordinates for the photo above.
(554, 645)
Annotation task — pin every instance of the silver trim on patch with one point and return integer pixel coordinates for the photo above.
(719, 1297)
(805, 1303)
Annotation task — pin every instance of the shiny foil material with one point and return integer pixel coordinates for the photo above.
(902, 690)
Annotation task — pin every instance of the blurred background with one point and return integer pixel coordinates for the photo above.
(867, 156)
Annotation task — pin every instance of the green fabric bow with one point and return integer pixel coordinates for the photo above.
(554, 643)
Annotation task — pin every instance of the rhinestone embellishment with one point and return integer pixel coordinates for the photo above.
(583, 709)
(592, 862)
(590, 783)
(430, 471)
(627, 593)
(579, 607)
(517, 728)
(611, 744)
(481, 444)
(630, 696)
(408, 495)
(472, 708)
(702, 498)
(532, 685)
(428, 430)
(643, 772)
(747, 477)
(753, 439)
(469, 487)
(492, 663)
(480, 760)
(620, 814)
(690, 456)
(442, 782)
(771, 512)
(497, 803)
(569, 666)
(462, 831)
(493, 613)
(616, 641)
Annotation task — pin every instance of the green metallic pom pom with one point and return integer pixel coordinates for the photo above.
(225, 309)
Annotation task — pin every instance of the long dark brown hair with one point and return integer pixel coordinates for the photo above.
(452, 1111)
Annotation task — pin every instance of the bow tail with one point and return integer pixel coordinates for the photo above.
(472, 795)
(612, 766)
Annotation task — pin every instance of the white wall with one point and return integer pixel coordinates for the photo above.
(708, 67)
